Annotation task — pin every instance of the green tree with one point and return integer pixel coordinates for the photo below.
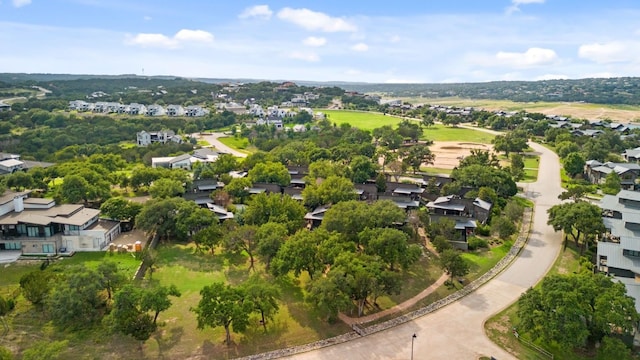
(573, 164)
(270, 238)
(191, 219)
(362, 169)
(349, 218)
(5, 354)
(243, 239)
(160, 215)
(111, 278)
(223, 305)
(35, 286)
(299, 253)
(238, 188)
(453, 264)
(513, 141)
(264, 208)
(502, 226)
(576, 219)
(121, 209)
(417, 155)
(74, 189)
(208, 238)
(517, 167)
(156, 299)
(410, 129)
(19, 180)
(576, 309)
(611, 184)
(564, 148)
(270, 172)
(263, 296)
(327, 297)
(391, 245)
(224, 164)
(166, 188)
(331, 190)
(127, 315)
(478, 176)
(388, 137)
(574, 193)
(513, 211)
(76, 301)
(322, 169)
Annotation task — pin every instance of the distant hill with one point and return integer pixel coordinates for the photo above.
(624, 90)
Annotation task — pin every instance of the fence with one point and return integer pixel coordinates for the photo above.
(532, 346)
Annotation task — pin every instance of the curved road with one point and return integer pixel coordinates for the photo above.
(212, 139)
(457, 330)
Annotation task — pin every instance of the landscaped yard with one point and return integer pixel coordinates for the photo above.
(237, 143)
(361, 119)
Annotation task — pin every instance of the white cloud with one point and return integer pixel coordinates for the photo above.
(552, 77)
(21, 3)
(163, 41)
(317, 21)
(532, 57)
(615, 51)
(258, 11)
(193, 36)
(361, 47)
(147, 18)
(402, 81)
(515, 5)
(315, 41)
(395, 39)
(306, 56)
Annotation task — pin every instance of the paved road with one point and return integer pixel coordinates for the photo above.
(212, 138)
(456, 331)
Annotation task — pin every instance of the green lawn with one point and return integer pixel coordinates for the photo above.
(440, 132)
(436, 171)
(482, 261)
(361, 119)
(127, 263)
(238, 143)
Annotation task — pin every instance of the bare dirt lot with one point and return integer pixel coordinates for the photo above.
(449, 153)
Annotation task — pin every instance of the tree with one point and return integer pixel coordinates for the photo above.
(270, 237)
(478, 176)
(362, 169)
(159, 215)
(573, 164)
(331, 190)
(327, 297)
(264, 208)
(156, 299)
(35, 286)
(410, 129)
(574, 193)
(270, 172)
(513, 141)
(480, 157)
(243, 238)
(517, 167)
(453, 264)
(576, 219)
(322, 169)
(223, 305)
(5, 354)
(386, 136)
(504, 227)
(208, 238)
(299, 253)
(391, 245)
(611, 184)
(190, 219)
(397, 168)
(76, 301)
(19, 180)
(74, 189)
(513, 211)
(238, 188)
(564, 148)
(127, 315)
(224, 164)
(121, 209)
(166, 188)
(263, 296)
(111, 278)
(417, 155)
(349, 218)
(577, 309)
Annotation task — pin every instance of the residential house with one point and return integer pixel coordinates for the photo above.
(466, 213)
(299, 128)
(80, 105)
(367, 192)
(145, 138)
(4, 107)
(155, 110)
(587, 132)
(200, 192)
(172, 162)
(267, 188)
(618, 253)
(40, 227)
(314, 218)
(205, 155)
(220, 211)
(597, 172)
(10, 163)
(137, 109)
(196, 111)
(632, 155)
(175, 110)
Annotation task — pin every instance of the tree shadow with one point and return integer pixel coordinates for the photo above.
(168, 339)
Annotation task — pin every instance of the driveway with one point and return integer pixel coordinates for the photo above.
(9, 256)
(212, 139)
(457, 330)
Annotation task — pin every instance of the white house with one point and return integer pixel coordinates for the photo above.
(196, 111)
(172, 162)
(144, 138)
(155, 110)
(299, 128)
(40, 227)
(137, 109)
(175, 110)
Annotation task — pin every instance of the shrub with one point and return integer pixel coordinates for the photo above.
(483, 230)
(441, 243)
(477, 243)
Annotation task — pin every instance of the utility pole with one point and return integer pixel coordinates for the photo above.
(412, 339)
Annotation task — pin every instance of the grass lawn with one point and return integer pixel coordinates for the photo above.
(530, 175)
(361, 119)
(441, 132)
(483, 260)
(127, 263)
(499, 327)
(436, 171)
(238, 143)
(127, 144)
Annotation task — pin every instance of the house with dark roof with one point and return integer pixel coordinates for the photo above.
(618, 253)
(314, 218)
(632, 155)
(172, 162)
(597, 172)
(40, 227)
(466, 213)
(267, 188)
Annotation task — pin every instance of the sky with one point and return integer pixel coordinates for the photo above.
(400, 41)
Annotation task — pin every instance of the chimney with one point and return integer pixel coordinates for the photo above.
(18, 203)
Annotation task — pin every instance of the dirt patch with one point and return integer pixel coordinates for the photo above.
(449, 153)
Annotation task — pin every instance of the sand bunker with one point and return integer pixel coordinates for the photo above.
(449, 153)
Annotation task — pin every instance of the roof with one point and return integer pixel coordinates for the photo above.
(445, 206)
(629, 195)
(180, 158)
(465, 224)
(10, 195)
(408, 190)
(59, 214)
(11, 162)
(39, 201)
(482, 204)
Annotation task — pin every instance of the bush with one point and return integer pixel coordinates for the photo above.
(477, 243)
(503, 227)
(441, 243)
(483, 230)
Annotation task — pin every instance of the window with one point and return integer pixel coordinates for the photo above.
(48, 248)
(631, 253)
(13, 245)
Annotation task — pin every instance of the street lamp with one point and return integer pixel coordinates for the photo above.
(412, 339)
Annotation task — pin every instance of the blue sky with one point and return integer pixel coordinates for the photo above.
(328, 40)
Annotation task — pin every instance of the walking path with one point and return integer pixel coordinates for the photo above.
(212, 139)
